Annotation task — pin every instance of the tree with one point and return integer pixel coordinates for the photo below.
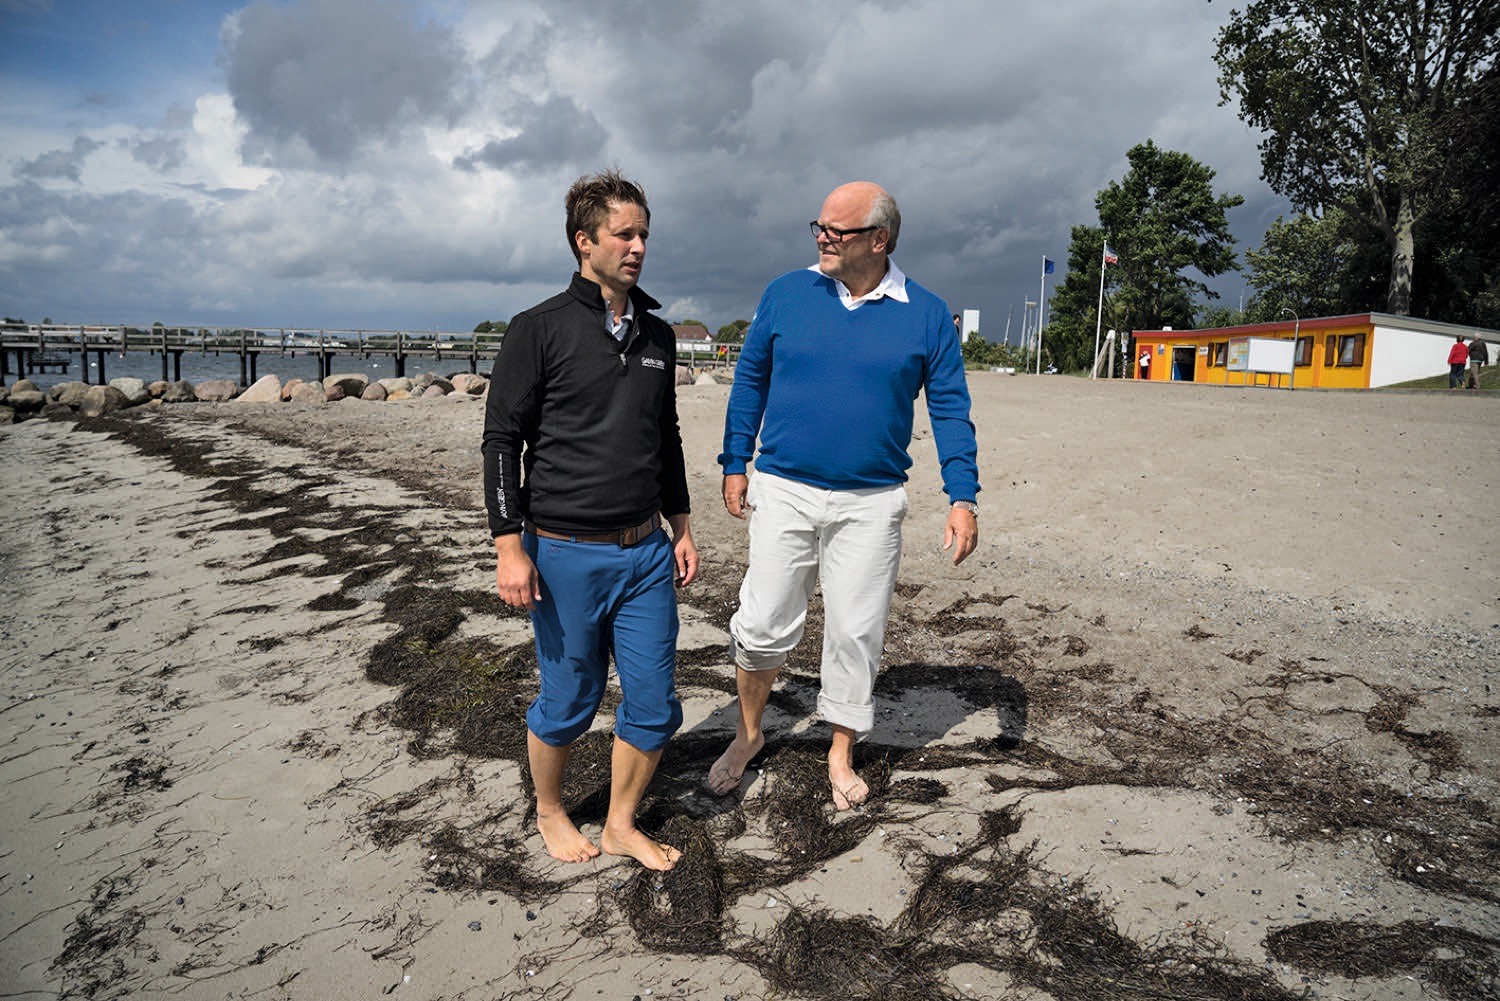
(1314, 266)
(1358, 102)
(1164, 222)
(491, 327)
(980, 353)
(1458, 266)
(733, 333)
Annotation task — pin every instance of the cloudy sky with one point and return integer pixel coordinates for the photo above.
(400, 164)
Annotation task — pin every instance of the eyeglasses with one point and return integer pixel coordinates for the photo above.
(836, 235)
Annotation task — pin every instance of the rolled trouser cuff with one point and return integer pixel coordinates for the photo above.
(859, 718)
(753, 660)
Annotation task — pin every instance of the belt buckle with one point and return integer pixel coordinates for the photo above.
(630, 536)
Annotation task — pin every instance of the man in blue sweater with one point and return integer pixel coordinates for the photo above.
(827, 381)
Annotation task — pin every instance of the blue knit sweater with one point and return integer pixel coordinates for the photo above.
(830, 391)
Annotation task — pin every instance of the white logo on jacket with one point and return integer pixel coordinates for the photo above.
(654, 363)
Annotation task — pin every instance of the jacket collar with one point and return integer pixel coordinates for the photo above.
(591, 295)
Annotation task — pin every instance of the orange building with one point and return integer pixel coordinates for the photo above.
(1362, 351)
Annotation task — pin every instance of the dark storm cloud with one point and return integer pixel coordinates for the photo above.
(337, 75)
(994, 130)
(59, 164)
(136, 252)
(554, 131)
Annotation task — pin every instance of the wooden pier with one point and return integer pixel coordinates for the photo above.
(36, 348)
(27, 348)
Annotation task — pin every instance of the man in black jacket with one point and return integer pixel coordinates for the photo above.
(582, 461)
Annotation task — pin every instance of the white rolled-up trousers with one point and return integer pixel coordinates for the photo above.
(849, 541)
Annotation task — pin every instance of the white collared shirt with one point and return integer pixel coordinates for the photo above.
(893, 285)
(618, 328)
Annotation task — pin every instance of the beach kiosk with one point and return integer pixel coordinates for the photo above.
(1360, 351)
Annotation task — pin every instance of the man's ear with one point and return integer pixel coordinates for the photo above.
(582, 241)
(881, 240)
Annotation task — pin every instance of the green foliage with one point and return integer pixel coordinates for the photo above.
(980, 353)
(491, 327)
(1361, 105)
(1458, 265)
(1162, 219)
(1315, 266)
(733, 333)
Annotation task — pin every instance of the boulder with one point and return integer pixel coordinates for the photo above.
(26, 401)
(7, 416)
(374, 392)
(216, 390)
(469, 382)
(393, 384)
(134, 389)
(158, 389)
(288, 386)
(266, 389)
(398, 394)
(101, 400)
(438, 389)
(180, 391)
(333, 394)
(70, 393)
(308, 392)
(684, 375)
(55, 409)
(352, 383)
(24, 386)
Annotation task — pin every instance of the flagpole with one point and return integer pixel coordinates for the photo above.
(1099, 313)
(1041, 309)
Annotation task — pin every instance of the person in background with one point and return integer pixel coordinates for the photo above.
(582, 461)
(1458, 358)
(831, 367)
(1479, 357)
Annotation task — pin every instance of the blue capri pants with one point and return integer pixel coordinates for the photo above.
(598, 600)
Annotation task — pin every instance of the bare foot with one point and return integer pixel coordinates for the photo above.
(849, 790)
(564, 841)
(724, 777)
(635, 844)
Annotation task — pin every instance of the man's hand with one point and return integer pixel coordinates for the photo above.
(515, 575)
(735, 487)
(961, 534)
(684, 550)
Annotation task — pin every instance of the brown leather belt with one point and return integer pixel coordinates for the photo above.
(624, 537)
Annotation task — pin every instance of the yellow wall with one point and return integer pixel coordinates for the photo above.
(1318, 374)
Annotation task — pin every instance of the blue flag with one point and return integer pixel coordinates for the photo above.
(1048, 267)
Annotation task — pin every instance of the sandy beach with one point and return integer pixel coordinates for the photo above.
(1211, 713)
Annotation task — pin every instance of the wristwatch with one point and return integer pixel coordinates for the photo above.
(968, 506)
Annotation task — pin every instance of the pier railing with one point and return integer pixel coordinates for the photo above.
(38, 347)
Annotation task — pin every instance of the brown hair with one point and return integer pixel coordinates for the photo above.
(589, 201)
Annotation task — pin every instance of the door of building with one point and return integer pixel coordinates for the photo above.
(1183, 357)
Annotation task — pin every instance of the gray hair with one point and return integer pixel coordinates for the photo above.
(885, 214)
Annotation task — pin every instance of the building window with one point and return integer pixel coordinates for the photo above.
(1344, 351)
(1218, 353)
(1304, 351)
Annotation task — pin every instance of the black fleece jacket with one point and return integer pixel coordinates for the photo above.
(592, 423)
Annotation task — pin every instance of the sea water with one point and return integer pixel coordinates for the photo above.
(200, 367)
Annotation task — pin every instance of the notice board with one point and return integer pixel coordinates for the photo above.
(1271, 355)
